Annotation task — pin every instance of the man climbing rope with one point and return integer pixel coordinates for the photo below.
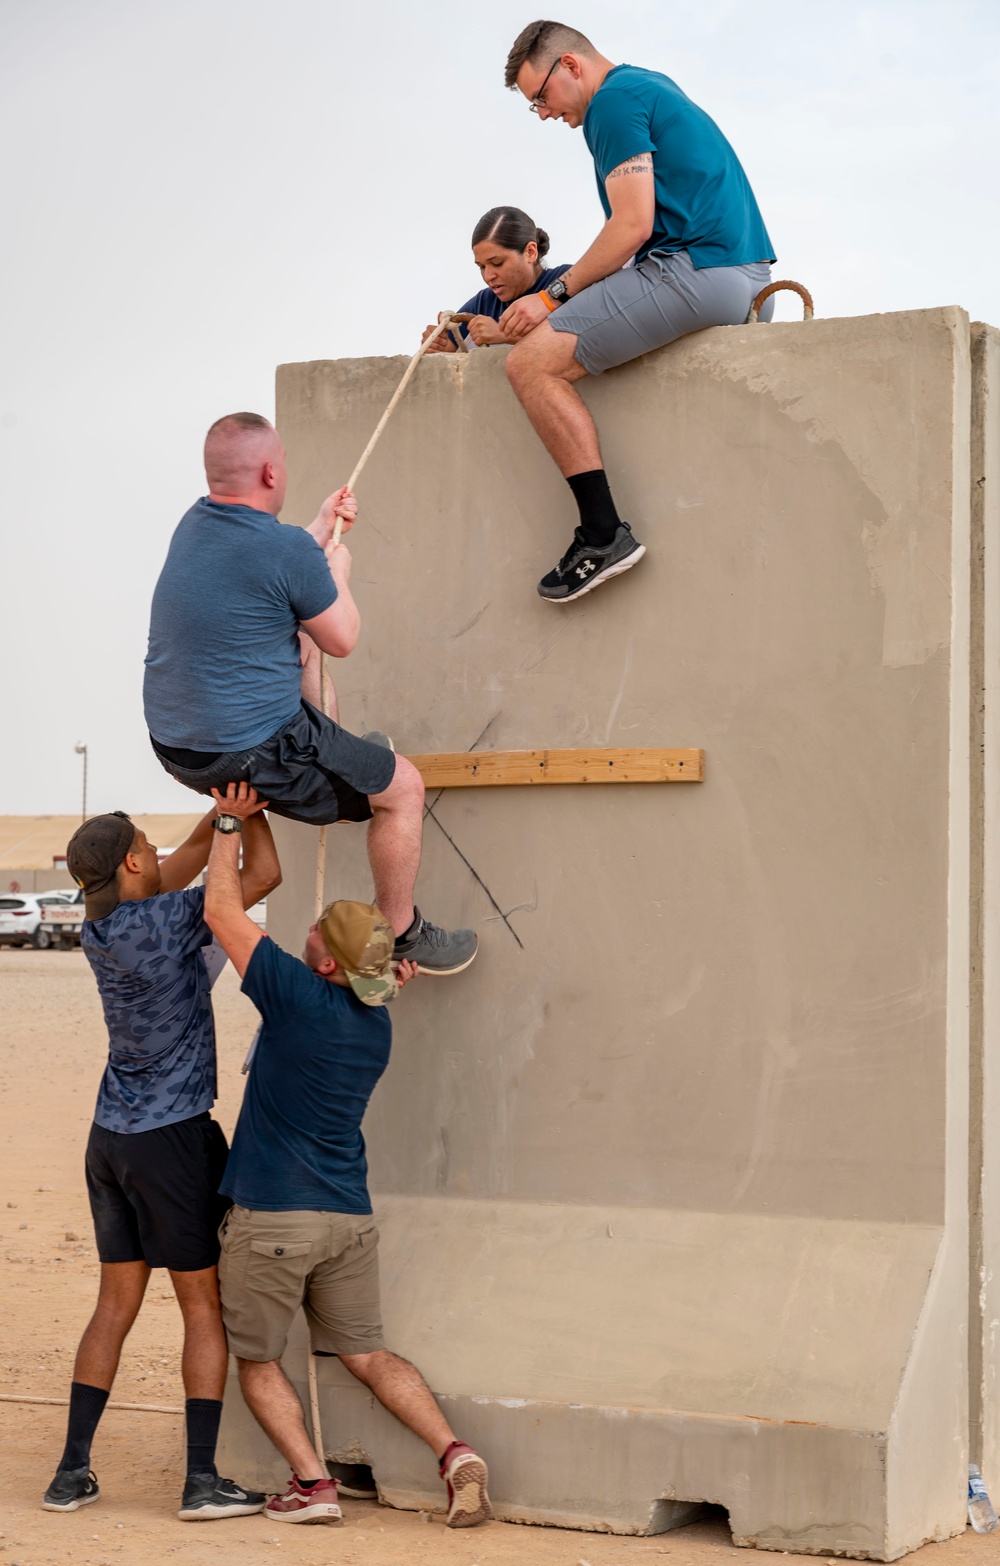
(223, 691)
(677, 200)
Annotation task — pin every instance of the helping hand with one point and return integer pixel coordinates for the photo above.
(405, 971)
(485, 333)
(240, 801)
(442, 344)
(523, 316)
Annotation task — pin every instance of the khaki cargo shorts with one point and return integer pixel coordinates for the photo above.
(272, 1263)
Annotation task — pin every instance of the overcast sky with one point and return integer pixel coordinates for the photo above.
(193, 193)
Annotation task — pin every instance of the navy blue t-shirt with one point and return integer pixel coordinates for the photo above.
(298, 1145)
(486, 302)
(223, 670)
(704, 203)
(147, 960)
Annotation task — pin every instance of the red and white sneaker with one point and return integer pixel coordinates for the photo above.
(300, 1503)
(466, 1476)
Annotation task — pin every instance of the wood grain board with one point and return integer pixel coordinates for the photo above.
(496, 768)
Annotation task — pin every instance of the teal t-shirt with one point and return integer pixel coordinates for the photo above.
(704, 203)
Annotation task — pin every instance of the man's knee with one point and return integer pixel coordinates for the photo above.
(405, 790)
(543, 354)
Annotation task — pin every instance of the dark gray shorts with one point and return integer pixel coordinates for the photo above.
(647, 306)
(312, 770)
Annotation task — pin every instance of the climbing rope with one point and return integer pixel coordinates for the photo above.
(773, 288)
(446, 319)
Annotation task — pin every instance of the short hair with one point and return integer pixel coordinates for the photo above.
(539, 39)
(512, 229)
(231, 422)
(235, 446)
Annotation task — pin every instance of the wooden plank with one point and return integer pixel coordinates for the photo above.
(495, 768)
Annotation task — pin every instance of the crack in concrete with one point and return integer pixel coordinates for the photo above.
(474, 873)
(429, 811)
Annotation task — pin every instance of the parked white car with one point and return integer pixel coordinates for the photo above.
(21, 921)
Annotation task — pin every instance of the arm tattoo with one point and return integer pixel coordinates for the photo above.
(642, 163)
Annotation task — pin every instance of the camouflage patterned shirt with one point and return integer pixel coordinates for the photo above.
(150, 971)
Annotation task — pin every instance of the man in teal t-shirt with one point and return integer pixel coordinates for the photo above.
(684, 247)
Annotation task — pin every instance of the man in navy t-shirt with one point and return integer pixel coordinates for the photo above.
(223, 686)
(301, 1231)
(155, 1156)
(676, 201)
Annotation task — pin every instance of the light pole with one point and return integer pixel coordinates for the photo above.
(81, 750)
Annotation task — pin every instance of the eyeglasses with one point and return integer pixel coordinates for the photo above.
(538, 101)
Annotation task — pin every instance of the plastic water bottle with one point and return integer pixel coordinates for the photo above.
(981, 1514)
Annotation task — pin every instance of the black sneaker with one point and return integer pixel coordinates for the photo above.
(70, 1489)
(207, 1497)
(584, 567)
(435, 951)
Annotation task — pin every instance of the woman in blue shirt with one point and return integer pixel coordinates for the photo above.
(509, 250)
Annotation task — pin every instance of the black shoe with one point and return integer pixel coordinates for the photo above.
(584, 567)
(435, 951)
(70, 1489)
(207, 1497)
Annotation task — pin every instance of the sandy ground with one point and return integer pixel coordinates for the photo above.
(51, 1049)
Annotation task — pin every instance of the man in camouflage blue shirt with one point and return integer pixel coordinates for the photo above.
(155, 1156)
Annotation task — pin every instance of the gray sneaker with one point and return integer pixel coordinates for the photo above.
(435, 951)
(584, 567)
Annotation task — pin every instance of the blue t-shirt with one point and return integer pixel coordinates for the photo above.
(154, 988)
(223, 669)
(486, 301)
(298, 1145)
(704, 203)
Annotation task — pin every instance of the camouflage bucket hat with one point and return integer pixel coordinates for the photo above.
(361, 940)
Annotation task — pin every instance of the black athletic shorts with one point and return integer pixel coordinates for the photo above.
(155, 1194)
(312, 770)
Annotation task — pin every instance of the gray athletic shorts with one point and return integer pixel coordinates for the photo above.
(649, 305)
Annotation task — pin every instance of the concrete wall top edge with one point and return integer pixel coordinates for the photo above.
(955, 314)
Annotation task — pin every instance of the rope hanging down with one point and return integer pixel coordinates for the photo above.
(445, 319)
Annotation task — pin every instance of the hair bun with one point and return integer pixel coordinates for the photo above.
(542, 241)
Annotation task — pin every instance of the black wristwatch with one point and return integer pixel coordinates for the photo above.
(557, 291)
(227, 824)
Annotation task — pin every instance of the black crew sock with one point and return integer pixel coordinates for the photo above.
(306, 1484)
(598, 517)
(86, 1405)
(202, 1415)
(413, 931)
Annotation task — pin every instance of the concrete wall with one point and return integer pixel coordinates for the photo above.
(673, 1183)
(984, 1144)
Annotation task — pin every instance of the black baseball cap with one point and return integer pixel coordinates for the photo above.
(93, 855)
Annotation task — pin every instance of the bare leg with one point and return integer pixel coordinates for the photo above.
(401, 1389)
(206, 1356)
(541, 368)
(394, 838)
(123, 1285)
(312, 663)
(271, 1399)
